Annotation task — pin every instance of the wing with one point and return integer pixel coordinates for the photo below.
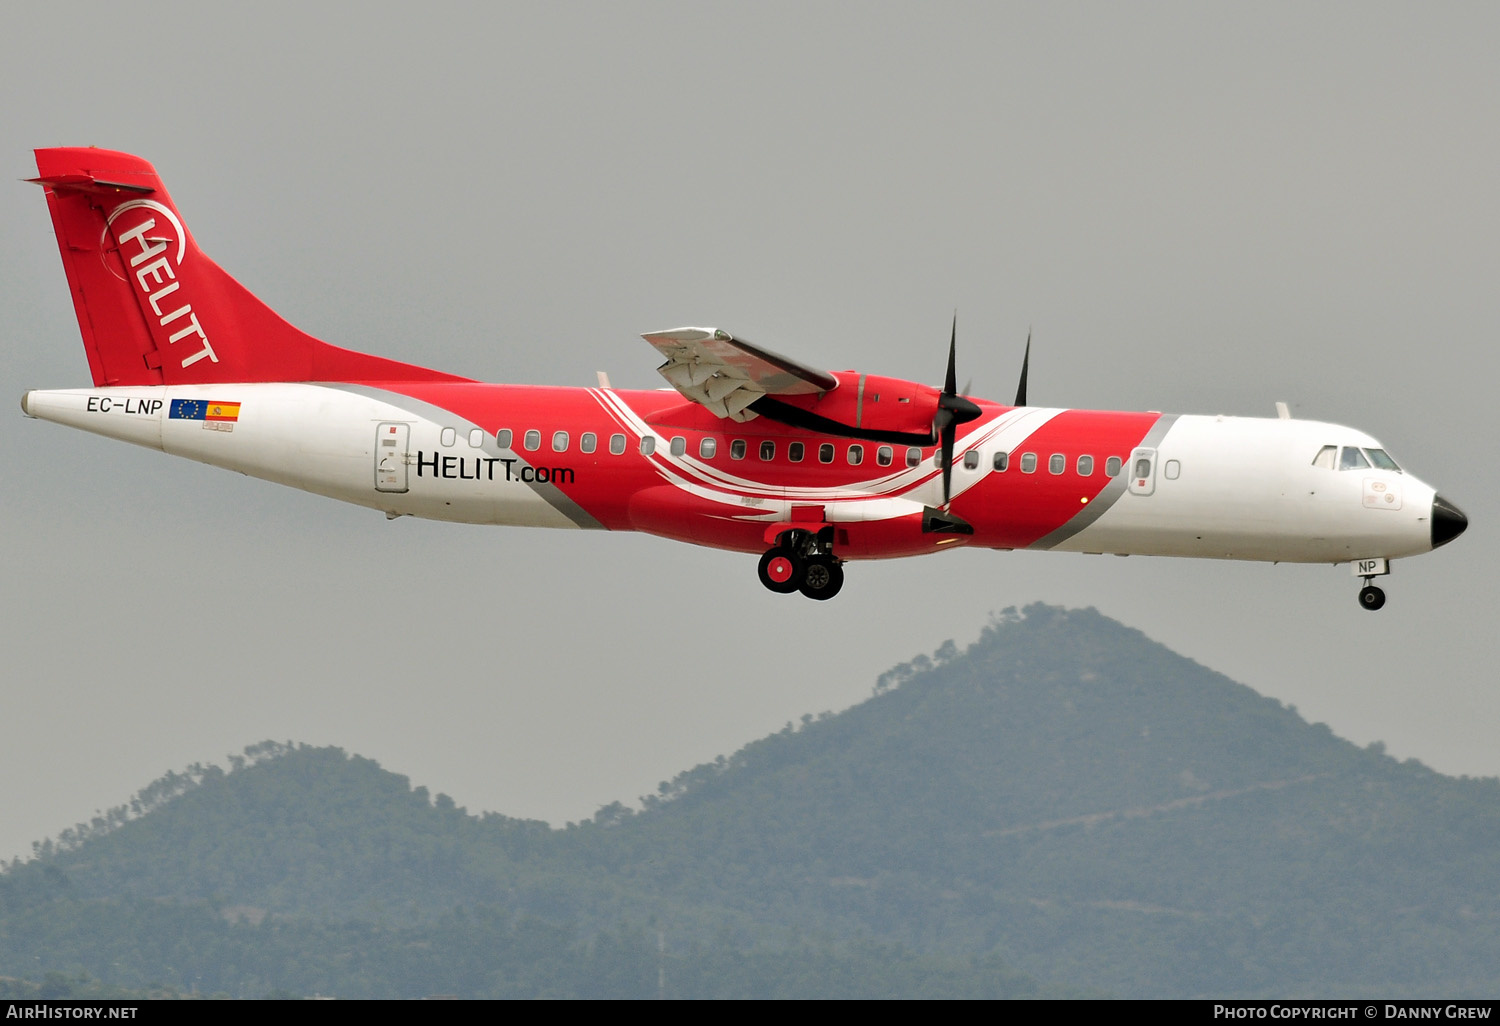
(727, 374)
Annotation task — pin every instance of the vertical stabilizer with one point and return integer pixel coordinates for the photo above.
(153, 308)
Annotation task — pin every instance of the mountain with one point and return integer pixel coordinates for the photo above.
(1066, 806)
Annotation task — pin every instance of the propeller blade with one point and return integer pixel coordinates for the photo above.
(950, 433)
(950, 384)
(1025, 366)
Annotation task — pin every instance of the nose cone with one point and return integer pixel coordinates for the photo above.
(1448, 521)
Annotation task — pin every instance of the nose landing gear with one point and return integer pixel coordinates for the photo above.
(802, 561)
(1371, 597)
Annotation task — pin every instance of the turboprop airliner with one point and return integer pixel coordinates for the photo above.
(747, 450)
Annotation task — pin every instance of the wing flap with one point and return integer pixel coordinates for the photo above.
(726, 374)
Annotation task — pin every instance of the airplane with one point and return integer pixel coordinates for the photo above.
(747, 450)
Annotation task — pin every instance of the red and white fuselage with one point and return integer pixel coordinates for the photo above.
(1219, 487)
(186, 361)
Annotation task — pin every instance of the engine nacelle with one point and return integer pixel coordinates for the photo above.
(869, 405)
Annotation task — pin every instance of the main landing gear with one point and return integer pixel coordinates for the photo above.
(1371, 597)
(802, 561)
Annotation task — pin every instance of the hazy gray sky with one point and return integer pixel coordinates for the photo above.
(1198, 207)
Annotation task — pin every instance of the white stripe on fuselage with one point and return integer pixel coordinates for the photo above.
(858, 501)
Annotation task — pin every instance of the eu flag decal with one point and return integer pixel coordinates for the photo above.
(188, 409)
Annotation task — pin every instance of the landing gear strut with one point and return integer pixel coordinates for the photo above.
(803, 561)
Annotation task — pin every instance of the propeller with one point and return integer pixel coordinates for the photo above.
(953, 410)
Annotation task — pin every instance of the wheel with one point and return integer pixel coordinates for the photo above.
(822, 579)
(782, 571)
(1371, 597)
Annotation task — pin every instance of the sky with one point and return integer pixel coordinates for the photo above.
(1197, 208)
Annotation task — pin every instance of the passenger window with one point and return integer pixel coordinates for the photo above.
(1172, 470)
(1112, 466)
(648, 444)
(768, 451)
(1028, 463)
(1143, 467)
(476, 438)
(971, 460)
(1382, 459)
(617, 444)
(825, 453)
(502, 438)
(1353, 459)
(1056, 463)
(883, 455)
(559, 441)
(1002, 460)
(1085, 466)
(707, 448)
(856, 455)
(448, 436)
(913, 456)
(679, 445)
(737, 449)
(533, 440)
(796, 451)
(588, 441)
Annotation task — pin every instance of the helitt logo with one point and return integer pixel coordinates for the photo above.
(152, 254)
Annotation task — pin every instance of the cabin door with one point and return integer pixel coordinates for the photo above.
(1142, 471)
(391, 457)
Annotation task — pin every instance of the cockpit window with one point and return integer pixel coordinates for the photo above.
(1382, 459)
(1326, 457)
(1353, 459)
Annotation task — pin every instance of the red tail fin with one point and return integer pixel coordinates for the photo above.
(153, 309)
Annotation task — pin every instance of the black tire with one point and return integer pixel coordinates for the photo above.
(822, 579)
(782, 578)
(1371, 597)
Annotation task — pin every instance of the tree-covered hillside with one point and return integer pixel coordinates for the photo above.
(1065, 799)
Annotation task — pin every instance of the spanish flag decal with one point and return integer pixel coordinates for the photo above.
(215, 415)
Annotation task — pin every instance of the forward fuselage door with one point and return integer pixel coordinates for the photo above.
(391, 457)
(1142, 471)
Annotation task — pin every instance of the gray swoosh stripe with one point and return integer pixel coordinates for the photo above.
(550, 493)
(1111, 493)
